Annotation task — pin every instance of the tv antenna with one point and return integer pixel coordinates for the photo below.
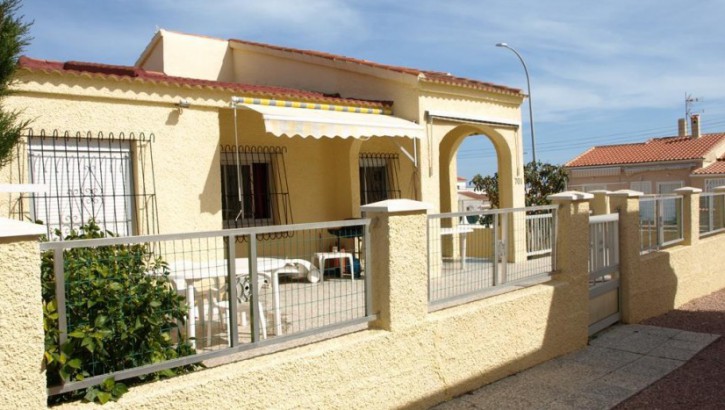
(689, 100)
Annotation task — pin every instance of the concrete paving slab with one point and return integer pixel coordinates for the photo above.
(617, 364)
(675, 349)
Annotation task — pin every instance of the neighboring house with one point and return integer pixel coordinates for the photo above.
(204, 133)
(657, 166)
(469, 199)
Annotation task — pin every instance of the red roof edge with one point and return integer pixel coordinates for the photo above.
(141, 74)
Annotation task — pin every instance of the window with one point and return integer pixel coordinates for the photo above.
(668, 187)
(378, 177)
(712, 183)
(642, 186)
(254, 187)
(86, 179)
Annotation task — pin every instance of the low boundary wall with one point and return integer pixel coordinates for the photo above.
(408, 358)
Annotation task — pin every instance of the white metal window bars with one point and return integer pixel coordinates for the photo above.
(108, 178)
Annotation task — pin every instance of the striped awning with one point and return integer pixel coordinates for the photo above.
(318, 123)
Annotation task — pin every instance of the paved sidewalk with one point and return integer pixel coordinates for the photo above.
(618, 363)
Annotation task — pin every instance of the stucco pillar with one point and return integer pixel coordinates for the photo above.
(690, 214)
(23, 384)
(626, 203)
(399, 254)
(572, 255)
(600, 204)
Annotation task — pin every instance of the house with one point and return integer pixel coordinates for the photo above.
(469, 199)
(203, 133)
(658, 165)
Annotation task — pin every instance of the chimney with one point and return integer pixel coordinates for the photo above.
(682, 127)
(695, 125)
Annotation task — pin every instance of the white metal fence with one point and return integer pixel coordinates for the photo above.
(240, 292)
(538, 233)
(502, 247)
(660, 221)
(712, 213)
(604, 303)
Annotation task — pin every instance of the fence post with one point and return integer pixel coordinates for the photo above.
(626, 202)
(399, 255)
(22, 346)
(600, 204)
(572, 253)
(690, 214)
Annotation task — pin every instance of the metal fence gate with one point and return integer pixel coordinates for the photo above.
(604, 298)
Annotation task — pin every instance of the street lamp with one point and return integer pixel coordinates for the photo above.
(528, 86)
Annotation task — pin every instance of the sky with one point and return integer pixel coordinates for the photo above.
(605, 72)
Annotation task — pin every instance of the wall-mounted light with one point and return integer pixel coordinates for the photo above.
(183, 103)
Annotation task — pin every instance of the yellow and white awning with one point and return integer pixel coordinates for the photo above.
(330, 123)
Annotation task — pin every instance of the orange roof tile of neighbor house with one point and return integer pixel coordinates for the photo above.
(424, 75)
(120, 72)
(654, 150)
(716, 168)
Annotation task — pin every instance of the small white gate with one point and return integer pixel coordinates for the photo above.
(604, 299)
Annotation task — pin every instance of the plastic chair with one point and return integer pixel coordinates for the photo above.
(244, 295)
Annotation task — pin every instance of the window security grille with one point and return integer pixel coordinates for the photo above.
(254, 186)
(378, 177)
(92, 178)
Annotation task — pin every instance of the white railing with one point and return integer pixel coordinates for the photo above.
(505, 247)
(712, 213)
(660, 221)
(603, 245)
(241, 292)
(538, 234)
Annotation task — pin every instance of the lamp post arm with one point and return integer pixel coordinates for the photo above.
(528, 88)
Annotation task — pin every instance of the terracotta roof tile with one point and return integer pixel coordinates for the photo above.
(654, 150)
(717, 167)
(426, 75)
(136, 73)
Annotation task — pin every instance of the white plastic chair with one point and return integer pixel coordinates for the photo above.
(244, 295)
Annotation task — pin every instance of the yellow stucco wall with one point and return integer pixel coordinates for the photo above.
(185, 148)
(191, 56)
(411, 100)
(448, 353)
(670, 278)
(21, 324)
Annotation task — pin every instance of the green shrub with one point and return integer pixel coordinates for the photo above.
(122, 312)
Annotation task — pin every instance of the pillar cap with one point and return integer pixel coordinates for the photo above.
(627, 193)
(396, 205)
(570, 196)
(719, 189)
(12, 228)
(687, 190)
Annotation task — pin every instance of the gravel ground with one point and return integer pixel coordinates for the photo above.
(699, 383)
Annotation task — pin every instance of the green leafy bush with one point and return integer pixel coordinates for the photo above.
(122, 312)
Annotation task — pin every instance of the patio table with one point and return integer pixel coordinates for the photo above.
(462, 231)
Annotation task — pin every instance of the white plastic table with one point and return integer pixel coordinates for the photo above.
(321, 257)
(462, 231)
